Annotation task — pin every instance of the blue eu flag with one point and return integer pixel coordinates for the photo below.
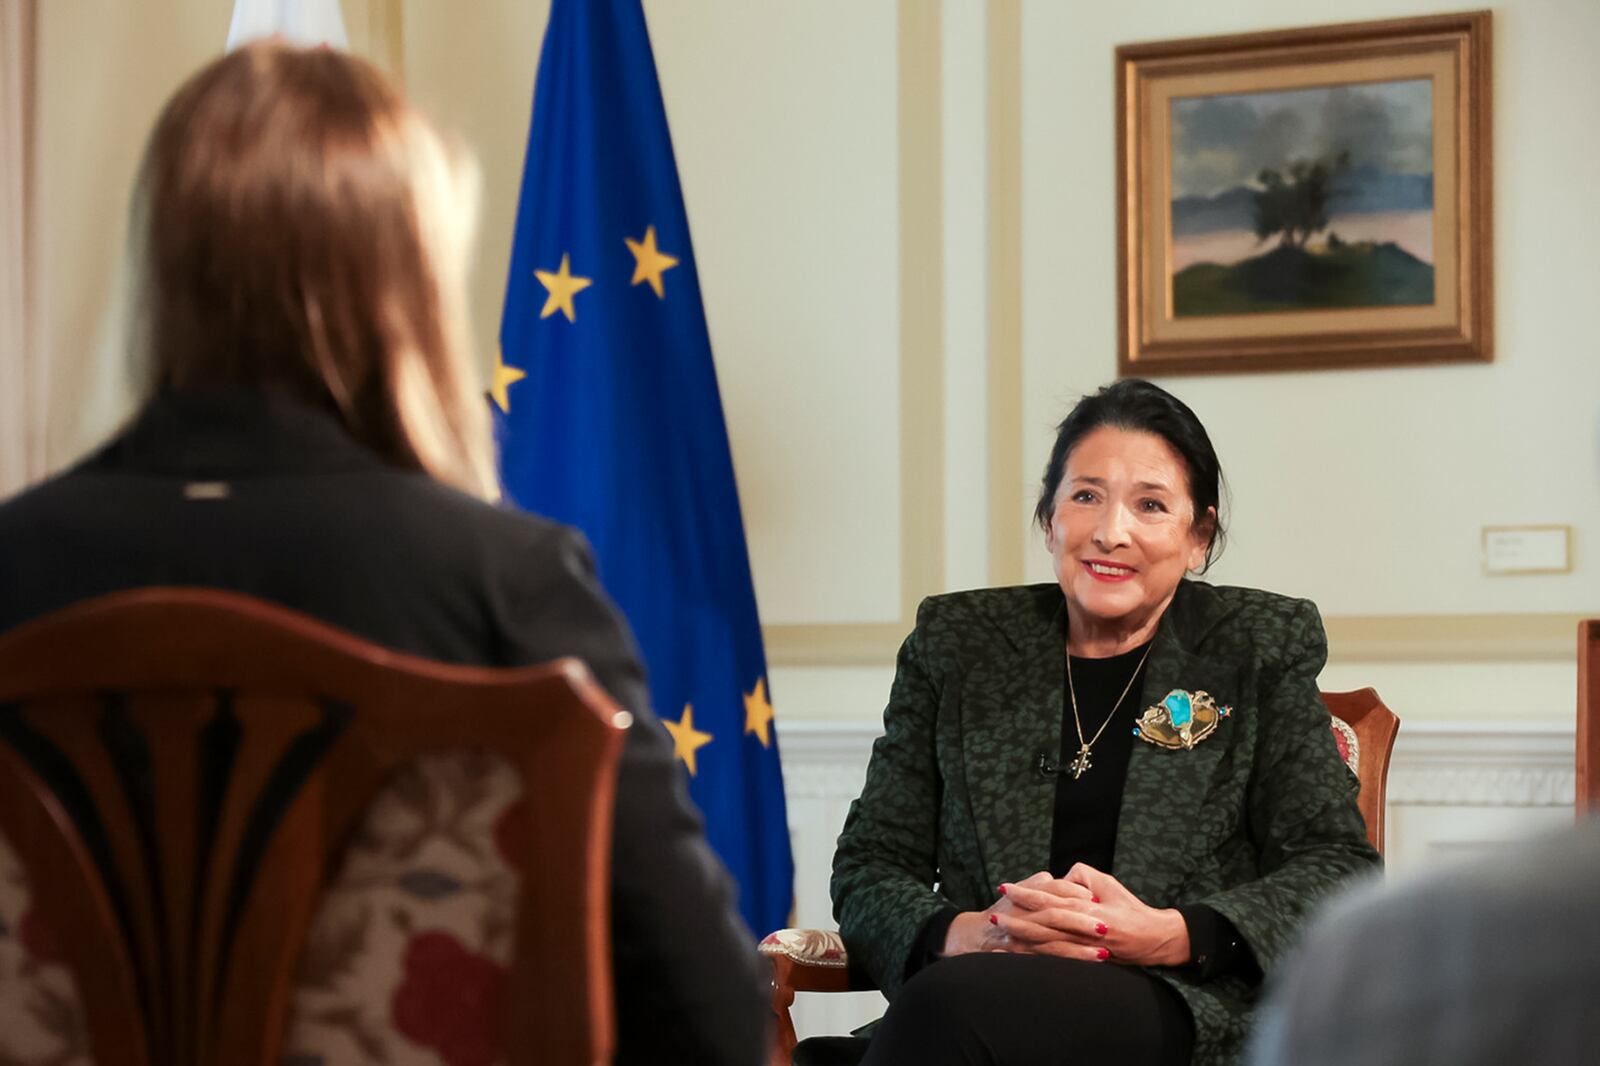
(610, 420)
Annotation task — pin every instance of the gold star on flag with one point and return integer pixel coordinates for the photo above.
(649, 263)
(562, 286)
(686, 739)
(758, 713)
(504, 377)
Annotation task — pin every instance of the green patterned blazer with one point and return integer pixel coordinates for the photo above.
(1258, 821)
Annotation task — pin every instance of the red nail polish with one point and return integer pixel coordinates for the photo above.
(1002, 890)
(1094, 899)
(994, 919)
(1102, 954)
(1100, 927)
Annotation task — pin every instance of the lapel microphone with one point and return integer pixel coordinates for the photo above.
(1047, 767)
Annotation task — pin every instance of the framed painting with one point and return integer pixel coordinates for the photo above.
(1305, 198)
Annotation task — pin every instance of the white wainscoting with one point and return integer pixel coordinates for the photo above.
(823, 767)
(1460, 788)
(1454, 789)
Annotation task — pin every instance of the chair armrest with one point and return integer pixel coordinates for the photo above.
(811, 960)
(803, 960)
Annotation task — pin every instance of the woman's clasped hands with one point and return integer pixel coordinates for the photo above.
(1086, 915)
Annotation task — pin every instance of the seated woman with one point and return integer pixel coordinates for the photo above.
(1101, 807)
(314, 431)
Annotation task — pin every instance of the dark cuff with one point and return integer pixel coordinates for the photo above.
(1215, 947)
(929, 945)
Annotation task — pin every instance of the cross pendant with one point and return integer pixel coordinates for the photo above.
(1081, 763)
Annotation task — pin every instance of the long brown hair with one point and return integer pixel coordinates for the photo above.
(298, 226)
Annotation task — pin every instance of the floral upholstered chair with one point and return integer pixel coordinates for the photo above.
(236, 833)
(41, 1016)
(406, 960)
(405, 963)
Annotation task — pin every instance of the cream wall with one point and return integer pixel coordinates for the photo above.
(104, 71)
(795, 233)
(1365, 490)
(902, 216)
(1384, 477)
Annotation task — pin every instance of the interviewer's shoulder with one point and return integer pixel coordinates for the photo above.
(42, 501)
(499, 524)
(511, 556)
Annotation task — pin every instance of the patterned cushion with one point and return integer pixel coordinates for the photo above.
(814, 946)
(1349, 747)
(405, 964)
(41, 1018)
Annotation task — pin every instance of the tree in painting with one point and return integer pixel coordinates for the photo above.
(1296, 207)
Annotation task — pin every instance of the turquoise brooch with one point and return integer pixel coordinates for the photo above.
(1181, 720)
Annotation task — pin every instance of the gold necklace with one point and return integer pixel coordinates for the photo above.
(1081, 763)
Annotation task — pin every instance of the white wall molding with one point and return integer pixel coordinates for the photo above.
(813, 776)
(809, 743)
(1483, 764)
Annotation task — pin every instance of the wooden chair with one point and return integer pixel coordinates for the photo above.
(1588, 790)
(180, 769)
(813, 960)
(1375, 727)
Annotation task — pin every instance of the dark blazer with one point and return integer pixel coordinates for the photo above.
(265, 496)
(1257, 821)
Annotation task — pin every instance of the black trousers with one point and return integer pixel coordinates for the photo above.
(1022, 1010)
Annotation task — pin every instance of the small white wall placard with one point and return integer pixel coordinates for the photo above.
(1527, 549)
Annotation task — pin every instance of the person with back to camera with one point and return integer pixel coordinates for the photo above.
(313, 432)
(1101, 807)
(1483, 962)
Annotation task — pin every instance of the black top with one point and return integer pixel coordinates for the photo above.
(1087, 806)
(297, 511)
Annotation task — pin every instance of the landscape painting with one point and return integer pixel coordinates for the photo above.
(1306, 198)
(1314, 198)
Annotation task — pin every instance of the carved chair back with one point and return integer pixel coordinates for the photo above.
(180, 770)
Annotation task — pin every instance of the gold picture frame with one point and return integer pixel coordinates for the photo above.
(1306, 198)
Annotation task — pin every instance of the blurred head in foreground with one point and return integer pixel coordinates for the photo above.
(297, 226)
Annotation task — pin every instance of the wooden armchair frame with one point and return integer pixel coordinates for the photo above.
(1588, 737)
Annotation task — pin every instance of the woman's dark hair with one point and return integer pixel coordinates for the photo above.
(1136, 404)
